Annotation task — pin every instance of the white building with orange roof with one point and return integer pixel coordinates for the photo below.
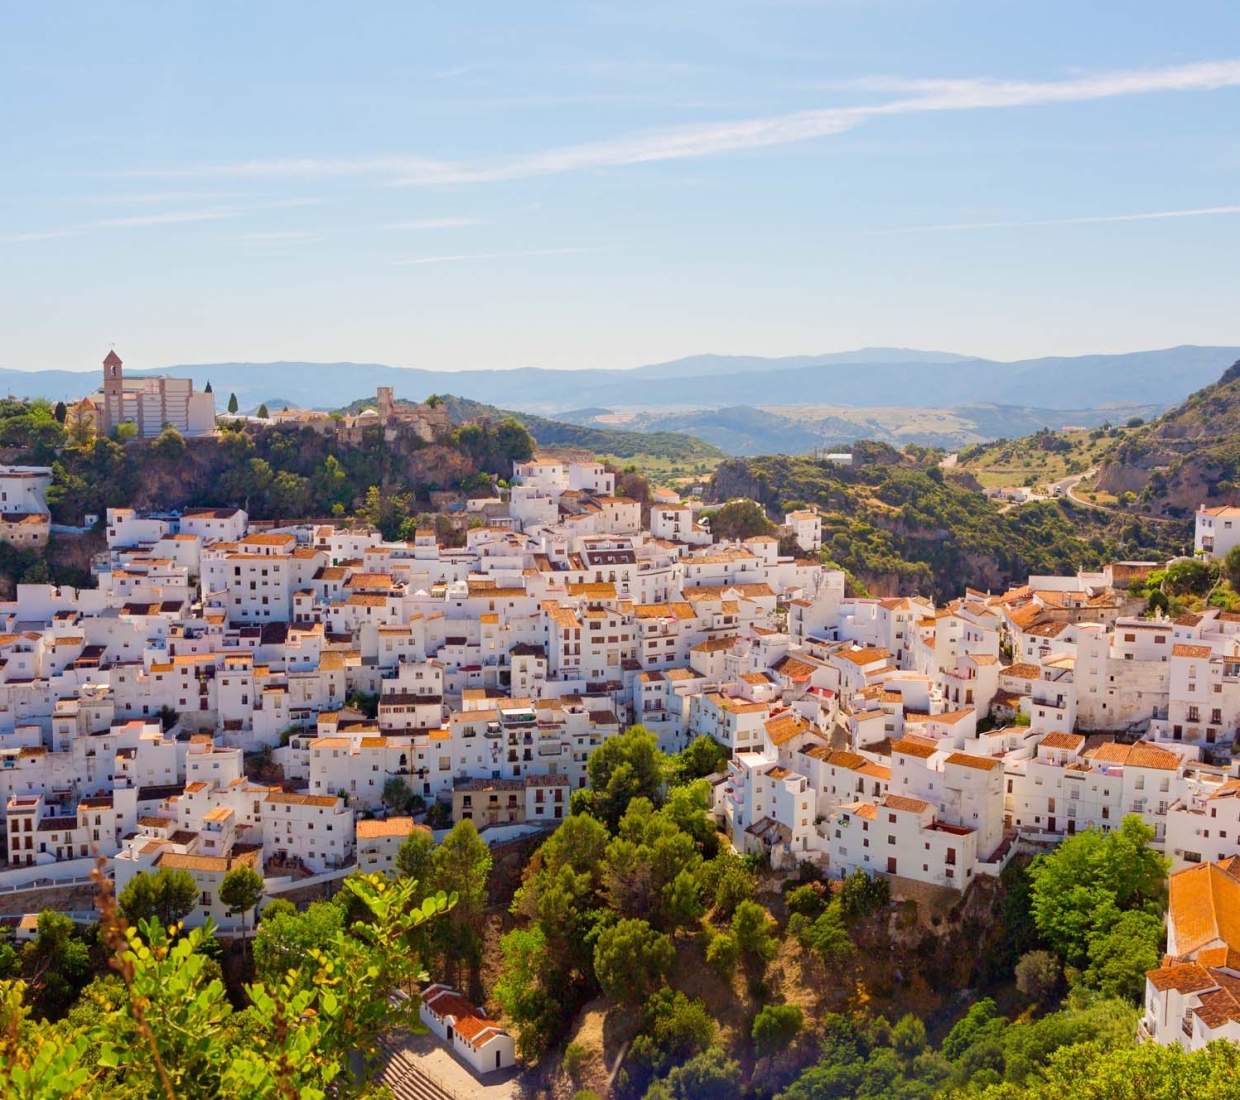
(860, 667)
(1072, 784)
(1203, 705)
(805, 526)
(379, 839)
(1204, 822)
(481, 1042)
(735, 722)
(1215, 531)
(1193, 999)
(902, 837)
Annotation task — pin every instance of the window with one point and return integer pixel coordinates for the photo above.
(206, 898)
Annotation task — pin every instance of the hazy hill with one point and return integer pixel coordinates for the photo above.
(645, 449)
(746, 430)
(1187, 456)
(868, 377)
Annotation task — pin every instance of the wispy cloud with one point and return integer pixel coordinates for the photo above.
(1088, 219)
(134, 197)
(278, 237)
(161, 217)
(715, 138)
(436, 223)
(464, 257)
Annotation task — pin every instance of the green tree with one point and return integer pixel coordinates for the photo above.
(1038, 975)
(683, 901)
(1080, 889)
(623, 768)
(826, 935)
(286, 942)
(701, 757)
(261, 412)
(277, 907)
(61, 413)
(54, 965)
(169, 1033)
(722, 954)
(232, 403)
(674, 1029)
(711, 1075)
(908, 1037)
(241, 890)
(414, 856)
(460, 866)
(738, 520)
(1145, 1071)
(168, 896)
(397, 794)
(170, 445)
(753, 929)
(1190, 578)
(775, 1027)
(632, 960)
(531, 993)
(862, 895)
(728, 882)
(1231, 567)
(1120, 956)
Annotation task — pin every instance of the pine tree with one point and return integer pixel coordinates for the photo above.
(232, 403)
(262, 413)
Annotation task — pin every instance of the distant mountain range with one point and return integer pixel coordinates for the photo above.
(867, 377)
(746, 404)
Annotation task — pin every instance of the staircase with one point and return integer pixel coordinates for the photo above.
(404, 1077)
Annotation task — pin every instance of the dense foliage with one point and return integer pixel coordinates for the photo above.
(167, 1029)
(908, 530)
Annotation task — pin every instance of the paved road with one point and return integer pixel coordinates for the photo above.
(1066, 486)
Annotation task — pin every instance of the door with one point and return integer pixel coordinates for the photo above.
(497, 1058)
(891, 865)
(1050, 824)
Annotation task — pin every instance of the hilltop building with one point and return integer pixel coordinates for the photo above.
(150, 404)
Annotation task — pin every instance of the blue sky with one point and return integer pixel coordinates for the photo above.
(608, 184)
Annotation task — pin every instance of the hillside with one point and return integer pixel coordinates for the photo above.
(1041, 459)
(901, 529)
(1189, 455)
(670, 454)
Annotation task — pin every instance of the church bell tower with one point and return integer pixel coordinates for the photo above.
(113, 392)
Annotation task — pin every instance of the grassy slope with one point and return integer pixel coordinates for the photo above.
(1041, 458)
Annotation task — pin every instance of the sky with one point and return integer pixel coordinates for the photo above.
(608, 184)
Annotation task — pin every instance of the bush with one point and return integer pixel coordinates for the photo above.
(574, 1060)
(775, 1027)
(752, 928)
(1038, 975)
(721, 955)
